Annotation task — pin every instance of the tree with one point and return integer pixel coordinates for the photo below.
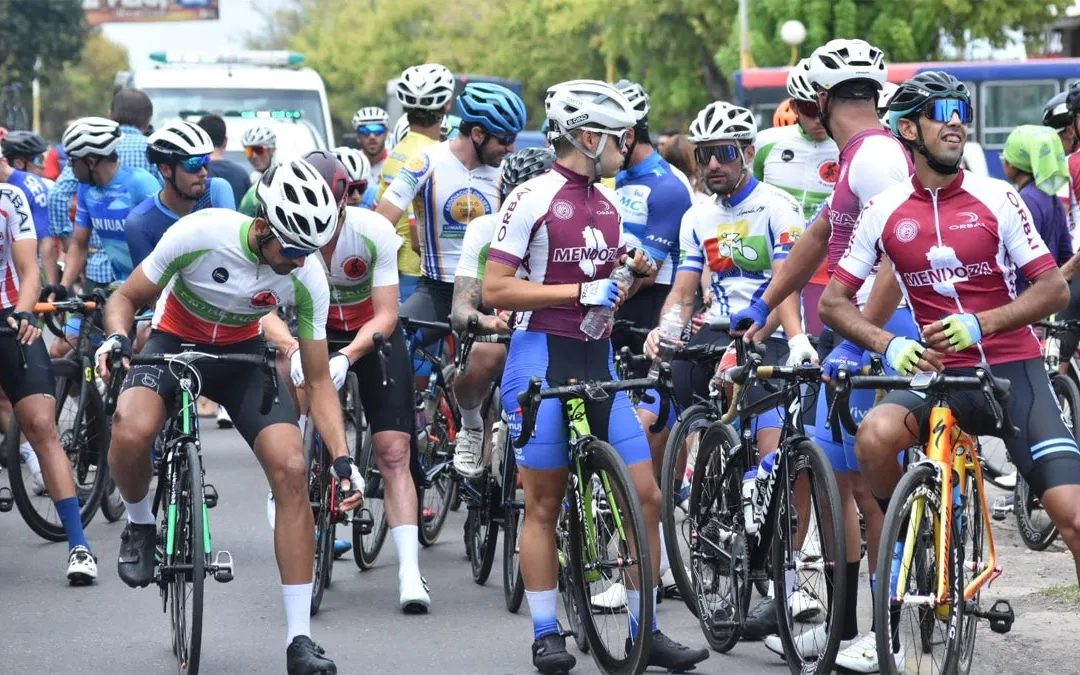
(84, 87)
(52, 30)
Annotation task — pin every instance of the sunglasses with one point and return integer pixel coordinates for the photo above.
(723, 154)
(943, 109)
(252, 150)
(194, 164)
(371, 129)
(291, 252)
(808, 108)
(505, 140)
(357, 186)
(621, 135)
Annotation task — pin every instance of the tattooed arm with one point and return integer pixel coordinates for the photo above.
(467, 302)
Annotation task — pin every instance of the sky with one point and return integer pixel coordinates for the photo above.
(238, 19)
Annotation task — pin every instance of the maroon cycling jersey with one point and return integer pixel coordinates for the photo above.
(559, 228)
(954, 250)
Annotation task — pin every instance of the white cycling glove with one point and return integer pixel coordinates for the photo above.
(339, 368)
(799, 350)
(344, 468)
(296, 369)
(599, 293)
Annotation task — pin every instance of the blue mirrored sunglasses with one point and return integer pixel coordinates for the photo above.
(943, 109)
(194, 164)
(722, 153)
(293, 253)
(371, 129)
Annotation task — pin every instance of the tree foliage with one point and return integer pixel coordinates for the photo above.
(52, 30)
(84, 87)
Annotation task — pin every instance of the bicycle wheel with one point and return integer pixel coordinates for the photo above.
(436, 449)
(573, 604)
(718, 558)
(369, 524)
(608, 546)
(484, 534)
(86, 448)
(320, 486)
(1068, 397)
(684, 441)
(513, 521)
(971, 549)
(921, 624)
(808, 550)
(1035, 527)
(183, 584)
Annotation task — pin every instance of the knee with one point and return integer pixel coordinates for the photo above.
(288, 477)
(392, 455)
(649, 494)
(876, 437)
(543, 511)
(1069, 526)
(129, 435)
(37, 422)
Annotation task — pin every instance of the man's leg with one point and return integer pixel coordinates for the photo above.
(485, 364)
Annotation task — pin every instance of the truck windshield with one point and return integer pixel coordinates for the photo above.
(168, 103)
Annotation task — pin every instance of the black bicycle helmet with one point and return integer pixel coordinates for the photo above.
(23, 144)
(524, 165)
(1056, 114)
(910, 98)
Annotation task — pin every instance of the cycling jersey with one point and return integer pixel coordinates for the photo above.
(445, 196)
(105, 210)
(18, 224)
(412, 144)
(216, 290)
(37, 194)
(475, 246)
(653, 196)
(377, 168)
(738, 239)
(364, 257)
(249, 203)
(148, 221)
(953, 250)
(560, 228)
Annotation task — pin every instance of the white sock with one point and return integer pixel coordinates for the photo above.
(772, 590)
(542, 608)
(665, 564)
(470, 418)
(29, 457)
(303, 424)
(140, 512)
(297, 598)
(408, 549)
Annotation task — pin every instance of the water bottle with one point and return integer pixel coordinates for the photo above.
(498, 446)
(1053, 353)
(749, 490)
(763, 491)
(598, 319)
(671, 325)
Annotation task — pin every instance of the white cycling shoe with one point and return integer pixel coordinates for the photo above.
(413, 597)
(862, 657)
(469, 453)
(82, 567)
(809, 643)
(612, 598)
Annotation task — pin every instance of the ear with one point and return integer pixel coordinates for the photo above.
(748, 152)
(908, 129)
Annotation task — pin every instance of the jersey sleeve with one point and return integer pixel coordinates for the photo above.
(409, 180)
(1021, 239)
(760, 155)
(312, 295)
(82, 216)
(691, 253)
(472, 247)
(387, 243)
(139, 239)
(666, 209)
(221, 194)
(178, 248)
(861, 255)
(144, 185)
(513, 231)
(16, 208)
(59, 199)
(880, 164)
(38, 196)
(786, 223)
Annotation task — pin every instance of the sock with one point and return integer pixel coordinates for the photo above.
(633, 608)
(302, 422)
(297, 598)
(29, 457)
(140, 512)
(873, 586)
(542, 608)
(408, 549)
(68, 510)
(665, 564)
(851, 604)
(470, 417)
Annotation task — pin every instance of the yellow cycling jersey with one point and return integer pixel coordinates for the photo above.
(410, 146)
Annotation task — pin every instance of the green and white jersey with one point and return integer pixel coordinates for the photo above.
(216, 290)
(806, 169)
(475, 245)
(365, 257)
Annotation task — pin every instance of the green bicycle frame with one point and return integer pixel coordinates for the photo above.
(188, 424)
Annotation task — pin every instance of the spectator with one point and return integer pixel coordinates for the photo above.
(236, 175)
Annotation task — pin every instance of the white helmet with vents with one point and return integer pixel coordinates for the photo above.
(429, 86)
(91, 136)
(371, 114)
(356, 163)
(588, 103)
(262, 136)
(798, 82)
(298, 204)
(722, 121)
(841, 60)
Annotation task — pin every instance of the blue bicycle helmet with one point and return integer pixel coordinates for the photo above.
(493, 107)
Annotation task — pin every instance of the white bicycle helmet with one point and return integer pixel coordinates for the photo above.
(588, 103)
(91, 136)
(263, 136)
(178, 140)
(372, 114)
(722, 121)
(428, 87)
(398, 134)
(636, 95)
(841, 60)
(798, 82)
(298, 204)
(356, 163)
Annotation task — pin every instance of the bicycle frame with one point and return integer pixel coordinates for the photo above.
(185, 428)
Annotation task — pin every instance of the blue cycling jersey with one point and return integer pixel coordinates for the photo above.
(653, 196)
(37, 195)
(105, 210)
(149, 220)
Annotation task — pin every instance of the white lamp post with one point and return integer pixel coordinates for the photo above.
(793, 33)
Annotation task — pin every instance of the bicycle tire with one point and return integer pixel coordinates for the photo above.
(692, 420)
(513, 585)
(972, 555)
(369, 524)
(484, 537)
(319, 486)
(1037, 532)
(788, 558)
(573, 605)
(437, 448)
(190, 537)
(86, 451)
(616, 491)
(919, 484)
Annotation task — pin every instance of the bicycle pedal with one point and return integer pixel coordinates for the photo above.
(223, 567)
(1000, 615)
(210, 496)
(366, 521)
(6, 500)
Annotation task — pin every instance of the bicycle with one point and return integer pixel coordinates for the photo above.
(82, 427)
(936, 531)
(182, 498)
(604, 529)
(369, 523)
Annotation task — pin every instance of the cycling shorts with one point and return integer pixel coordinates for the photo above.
(24, 374)
(838, 444)
(406, 286)
(1044, 451)
(389, 408)
(556, 360)
(431, 301)
(238, 387)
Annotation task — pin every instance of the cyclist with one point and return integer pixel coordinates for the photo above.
(219, 166)
(26, 377)
(486, 360)
(785, 114)
(959, 281)
(371, 125)
(544, 222)
(25, 151)
(361, 191)
(260, 144)
(846, 76)
(452, 183)
(801, 159)
(218, 272)
(22, 152)
(424, 92)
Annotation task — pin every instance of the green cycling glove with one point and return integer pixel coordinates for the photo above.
(903, 353)
(963, 330)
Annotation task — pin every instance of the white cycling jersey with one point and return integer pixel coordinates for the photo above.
(364, 257)
(18, 224)
(794, 162)
(475, 246)
(446, 197)
(216, 290)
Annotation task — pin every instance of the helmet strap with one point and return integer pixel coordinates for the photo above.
(823, 115)
(931, 161)
(629, 157)
(594, 156)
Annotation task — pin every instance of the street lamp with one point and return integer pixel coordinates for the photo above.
(793, 33)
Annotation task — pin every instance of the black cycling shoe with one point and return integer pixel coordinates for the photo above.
(304, 657)
(760, 620)
(550, 655)
(135, 564)
(672, 656)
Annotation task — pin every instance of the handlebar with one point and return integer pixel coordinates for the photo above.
(470, 336)
(627, 326)
(412, 325)
(1061, 326)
